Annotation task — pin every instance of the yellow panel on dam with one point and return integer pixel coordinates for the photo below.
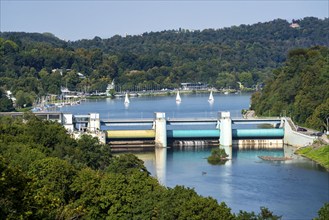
(131, 134)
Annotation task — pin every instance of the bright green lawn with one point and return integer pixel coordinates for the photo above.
(320, 155)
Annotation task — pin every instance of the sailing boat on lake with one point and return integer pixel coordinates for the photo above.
(211, 98)
(178, 98)
(127, 99)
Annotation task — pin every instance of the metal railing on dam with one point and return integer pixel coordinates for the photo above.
(186, 121)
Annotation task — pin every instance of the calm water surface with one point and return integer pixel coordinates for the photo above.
(144, 107)
(295, 189)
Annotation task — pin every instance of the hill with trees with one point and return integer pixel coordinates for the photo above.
(36, 64)
(299, 89)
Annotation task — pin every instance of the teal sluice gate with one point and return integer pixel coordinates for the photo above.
(258, 133)
(193, 133)
(236, 133)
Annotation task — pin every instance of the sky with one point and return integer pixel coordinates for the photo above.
(84, 19)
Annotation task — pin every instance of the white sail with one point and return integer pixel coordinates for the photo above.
(211, 97)
(127, 99)
(178, 99)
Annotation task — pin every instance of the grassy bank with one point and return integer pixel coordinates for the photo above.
(318, 154)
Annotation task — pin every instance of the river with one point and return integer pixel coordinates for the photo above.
(295, 189)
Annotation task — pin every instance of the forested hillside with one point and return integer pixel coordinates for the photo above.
(299, 89)
(36, 64)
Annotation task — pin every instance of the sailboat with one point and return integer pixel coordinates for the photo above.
(127, 99)
(178, 99)
(211, 97)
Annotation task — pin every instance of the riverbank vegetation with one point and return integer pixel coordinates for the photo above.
(319, 154)
(299, 89)
(218, 156)
(239, 57)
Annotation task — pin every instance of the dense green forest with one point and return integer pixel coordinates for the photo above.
(45, 174)
(34, 64)
(299, 89)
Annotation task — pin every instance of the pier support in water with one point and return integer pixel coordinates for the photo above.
(225, 139)
(160, 126)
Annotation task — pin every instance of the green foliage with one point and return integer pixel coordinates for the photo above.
(20, 155)
(184, 203)
(50, 135)
(91, 153)
(323, 212)
(51, 180)
(6, 105)
(13, 189)
(319, 117)
(264, 214)
(126, 164)
(299, 89)
(218, 156)
(115, 195)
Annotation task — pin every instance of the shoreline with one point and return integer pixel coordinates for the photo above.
(320, 155)
(168, 93)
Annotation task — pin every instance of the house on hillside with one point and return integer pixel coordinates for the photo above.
(294, 25)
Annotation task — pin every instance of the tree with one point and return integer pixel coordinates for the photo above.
(264, 214)
(226, 80)
(115, 195)
(51, 180)
(323, 212)
(13, 191)
(24, 99)
(91, 153)
(246, 79)
(43, 73)
(6, 105)
(127, 164)
(218, 156)
(184, 203)
(20, 155)
(319, 117)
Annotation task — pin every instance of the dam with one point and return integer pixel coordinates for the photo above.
(162, 131)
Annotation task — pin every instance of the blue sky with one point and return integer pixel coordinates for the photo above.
(74, 19)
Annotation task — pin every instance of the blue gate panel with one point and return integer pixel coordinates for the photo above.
(193, 133)
(258, 133)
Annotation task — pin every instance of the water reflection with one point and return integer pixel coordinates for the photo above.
(126, 105)
(161, 164)
(228, 151)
